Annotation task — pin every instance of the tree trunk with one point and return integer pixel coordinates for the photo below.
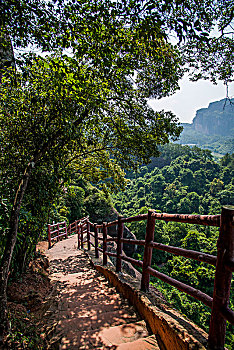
(8, 251)
(7, 58)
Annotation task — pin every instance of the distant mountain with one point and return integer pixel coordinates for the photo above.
(217, 119)
(212, 128)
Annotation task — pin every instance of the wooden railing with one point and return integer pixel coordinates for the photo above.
(56, 232)
(60, 230)
(224, 262)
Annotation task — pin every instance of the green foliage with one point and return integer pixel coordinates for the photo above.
(97, 205)
(74, 201)
(192, 182)
(78, 24)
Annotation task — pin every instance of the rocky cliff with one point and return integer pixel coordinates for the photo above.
(217, 119)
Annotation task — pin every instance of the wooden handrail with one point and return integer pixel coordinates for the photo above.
(112, 223)
(96, 241)
(119, 243)
(114, 239)
(228, 314)
(57, 223)
(136, 218)
(104, 246)
(208, 220)
(132, 261)
(192, 254)
(133, 241)
(111, 254)
(149, 237)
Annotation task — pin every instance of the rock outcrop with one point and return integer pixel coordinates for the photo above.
(217, 119)
(129, 249)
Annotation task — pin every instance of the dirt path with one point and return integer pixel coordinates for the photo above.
(88, 313)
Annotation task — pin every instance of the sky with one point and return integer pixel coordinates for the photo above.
(191, 97)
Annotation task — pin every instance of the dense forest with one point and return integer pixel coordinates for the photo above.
(217, 144)
(184, 180)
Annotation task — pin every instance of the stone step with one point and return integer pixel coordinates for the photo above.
(92, 310)
(89, 300)
(106, 319)
(149, 343)
(78, 280)
(123, 333)
(77, 291)
(109, 338)
(93, 296)
(89, 286)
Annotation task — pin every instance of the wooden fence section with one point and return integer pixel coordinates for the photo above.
(224, 262)
(56, 232)
(60, 230)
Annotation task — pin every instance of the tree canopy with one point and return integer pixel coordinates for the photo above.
(203, 29)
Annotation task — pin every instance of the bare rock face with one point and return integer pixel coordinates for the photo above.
(129, 249)
(217, 119)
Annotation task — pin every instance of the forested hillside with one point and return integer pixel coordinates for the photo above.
(183, 180)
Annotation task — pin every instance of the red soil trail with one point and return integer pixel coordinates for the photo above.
(88, 313)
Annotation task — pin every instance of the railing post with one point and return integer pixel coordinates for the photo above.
(149, 237)
(58, 239)
(96, 241)
(119, 244)
(104, 247)
(81, 236)
(69, 229)
(222, 282)
(66, 229)
(78, 233)
(88, 234)
(49, 236)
